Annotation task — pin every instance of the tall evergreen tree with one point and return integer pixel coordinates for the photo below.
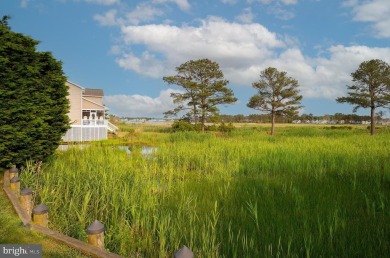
(277, 95)
(205, 88)
(33, 99)
(371, 88)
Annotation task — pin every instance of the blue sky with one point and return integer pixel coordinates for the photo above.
(126, 47)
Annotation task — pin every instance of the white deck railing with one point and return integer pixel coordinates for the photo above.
(98, 122)
(89, 130)
(82, 133)
(111, 127)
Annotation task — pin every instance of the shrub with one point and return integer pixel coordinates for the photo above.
(226, 128)
(182, 126)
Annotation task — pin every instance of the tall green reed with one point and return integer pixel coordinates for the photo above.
(324, 193)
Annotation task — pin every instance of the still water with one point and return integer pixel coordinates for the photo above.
(144, 150)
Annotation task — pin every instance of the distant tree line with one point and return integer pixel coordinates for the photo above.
(308, 118)
(337, 118)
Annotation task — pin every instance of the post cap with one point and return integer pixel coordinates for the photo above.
(40, 209)
(184, 252)
(14, 170)
(15, 179)
(26, 191)
(95, 228)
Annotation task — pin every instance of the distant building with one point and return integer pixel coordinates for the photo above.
(87, 115)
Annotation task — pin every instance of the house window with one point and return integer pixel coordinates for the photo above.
(92, 115)
(100, 114)
(86, 114)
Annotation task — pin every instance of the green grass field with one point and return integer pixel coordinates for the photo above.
(306, 192)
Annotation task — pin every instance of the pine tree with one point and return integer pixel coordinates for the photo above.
(204, 88)
(277, 95)
(371, 88)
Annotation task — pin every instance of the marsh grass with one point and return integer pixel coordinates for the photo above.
(12, 231)
(308, 192)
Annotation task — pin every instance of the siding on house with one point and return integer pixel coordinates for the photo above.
(89, 100)
(93, 99)
(91, 105)
(75, 96)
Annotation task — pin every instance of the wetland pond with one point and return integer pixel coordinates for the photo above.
(129, 149)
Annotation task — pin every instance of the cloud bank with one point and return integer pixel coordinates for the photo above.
(140, 106)
(374, 12)
(242, 50)
(241, 47)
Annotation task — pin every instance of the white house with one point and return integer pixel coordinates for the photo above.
(87, 115)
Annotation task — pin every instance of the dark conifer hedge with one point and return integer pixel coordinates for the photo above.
(33, 99)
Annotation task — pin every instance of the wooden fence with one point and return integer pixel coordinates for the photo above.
(37, 219)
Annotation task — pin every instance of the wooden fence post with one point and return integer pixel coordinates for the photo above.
(6, 177)
(95, 233)
(184, 252)
(13, 172)
(40, 215)
(15, 185)
(26, 200)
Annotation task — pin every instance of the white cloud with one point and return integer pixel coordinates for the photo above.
(322, 77)
(140, 106)
(260, 1)
(108, 19)
(103, 2)
(116, 50)
(229, 1)
(233, 44)
(349, 3)
(326, 77)
(246, 16)
(376, 12)
(147, 64)
(142, 13)
(285, 2)
(278, 8)
(24, 3)
(242, 51)
(182, 4)
(288, 2)
(281, 13)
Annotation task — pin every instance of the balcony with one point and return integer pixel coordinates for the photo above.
(100, 122)
(95, 122)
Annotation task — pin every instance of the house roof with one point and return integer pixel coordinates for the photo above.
(75, 85)
(93, 92)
